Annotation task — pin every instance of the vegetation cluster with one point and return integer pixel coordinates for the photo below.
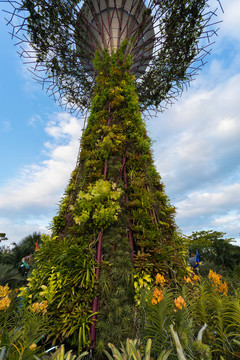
(198, 318)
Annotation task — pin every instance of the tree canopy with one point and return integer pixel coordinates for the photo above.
(182, 40)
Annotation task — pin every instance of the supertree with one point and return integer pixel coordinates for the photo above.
(115, 59)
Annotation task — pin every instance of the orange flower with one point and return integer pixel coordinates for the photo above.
(154, 301)
(160, 280)
(37, 307)
(217, 283)
(179, 303)
(188, 280)
(196, 278)
(214, 277)
(157, 296)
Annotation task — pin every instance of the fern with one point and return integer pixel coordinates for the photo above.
(158, 321)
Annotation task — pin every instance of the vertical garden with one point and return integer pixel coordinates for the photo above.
(115, 215)
(115, 265)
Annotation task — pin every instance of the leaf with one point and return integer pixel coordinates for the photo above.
(115, 352)
(148, 349)
(164, 355)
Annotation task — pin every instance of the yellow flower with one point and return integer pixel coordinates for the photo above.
(33, 347)
(180, 303)
(4, 303)
(160, 280)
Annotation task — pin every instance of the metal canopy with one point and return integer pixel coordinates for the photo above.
(107, 23)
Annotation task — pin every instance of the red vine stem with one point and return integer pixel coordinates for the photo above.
(123, 164)
(150, 210)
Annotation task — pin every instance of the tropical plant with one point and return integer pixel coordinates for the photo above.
(134, 350)
(221, 311)
(10, 275)
(189, 307)
(61, 287)
(20, 329)
(3, 237)
(61, 354)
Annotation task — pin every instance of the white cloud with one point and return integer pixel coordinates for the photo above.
(197, 152)
(18, 228)
(231, 18)
(221, 199)
(197, 142)
(29, 200)
(216, 209)
(39, 185)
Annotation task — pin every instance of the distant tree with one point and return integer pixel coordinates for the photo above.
(3, 237)
(26, 247)
(10, 275)
(11, 271)
(215, 250)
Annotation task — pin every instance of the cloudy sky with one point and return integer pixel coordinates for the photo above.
(196, 142)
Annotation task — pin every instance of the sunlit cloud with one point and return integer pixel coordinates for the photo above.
(39, 185)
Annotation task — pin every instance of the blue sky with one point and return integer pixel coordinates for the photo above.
(196, 142)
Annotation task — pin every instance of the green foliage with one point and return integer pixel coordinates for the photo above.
(11, 259)
(64, 277)
(3, 237)
(20, 331)
(116, 314)
(201, 351)
(10, 275)
(60, 354)
(99, 205)
(17, 252)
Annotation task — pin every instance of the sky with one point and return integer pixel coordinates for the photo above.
(196, 142)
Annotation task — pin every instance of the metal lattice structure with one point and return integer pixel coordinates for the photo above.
(106, 24)
(58, 40)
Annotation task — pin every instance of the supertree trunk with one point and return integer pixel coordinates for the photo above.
(115, 215)
(116, 198)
